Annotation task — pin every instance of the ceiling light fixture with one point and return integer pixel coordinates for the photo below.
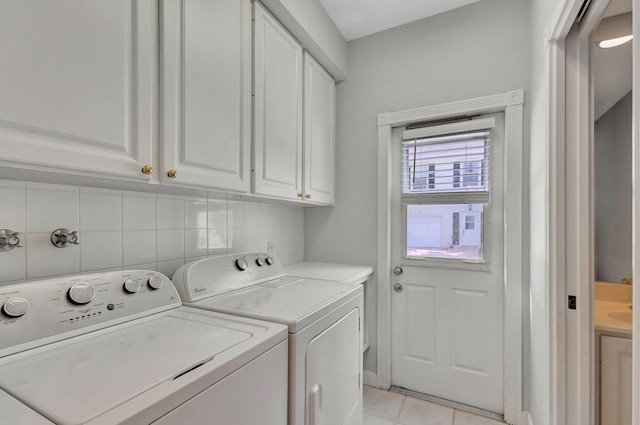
(614, 42)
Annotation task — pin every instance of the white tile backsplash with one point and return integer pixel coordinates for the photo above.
(237, 240)
(136, 230)
(170, 245)
(12, 208)
(217, 241)
(138, 247)
(195, 213)
(170, 213)
(252, 216)
(236, 215)
(217, 214)
(100, 211)
(13, 264)
(44, 259)
(100, 250)
(138, 211)
(195, 243)
(50, 208)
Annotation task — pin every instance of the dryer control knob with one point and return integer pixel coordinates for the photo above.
(270, 260)
(131, 286)
(81, 293)
(15, 307)
(155, 282)
(241, 264)
(260, 261)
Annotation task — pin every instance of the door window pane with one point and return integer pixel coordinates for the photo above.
(436, 231)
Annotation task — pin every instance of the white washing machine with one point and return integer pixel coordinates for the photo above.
(324, 321)
(15, 413)
(119, 348)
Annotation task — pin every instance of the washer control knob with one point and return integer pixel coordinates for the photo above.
(241, 264)
(155, 282)
(81, 293)
(15, 307)
(260, 261)
(270, 260)
(131, 286)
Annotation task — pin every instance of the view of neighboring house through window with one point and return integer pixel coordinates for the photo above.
(445, 191)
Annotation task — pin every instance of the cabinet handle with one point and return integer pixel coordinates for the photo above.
(172, 174)
(300, 195)
(308, 196)
(147, 169)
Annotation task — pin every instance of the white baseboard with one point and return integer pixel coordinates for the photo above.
(526, 418)
(370, 378)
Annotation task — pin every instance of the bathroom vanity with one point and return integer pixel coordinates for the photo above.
(613, 318)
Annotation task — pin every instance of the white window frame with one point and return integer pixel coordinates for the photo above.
(483, 265)
(459, 196)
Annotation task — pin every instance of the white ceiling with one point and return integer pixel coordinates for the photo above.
(357, 18)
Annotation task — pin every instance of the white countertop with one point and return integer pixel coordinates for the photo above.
(328, 271)
(612, 312)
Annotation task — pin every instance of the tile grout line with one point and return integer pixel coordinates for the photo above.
(404, 400)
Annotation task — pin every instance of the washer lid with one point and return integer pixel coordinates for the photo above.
(291, 301)
(76, 380)
(16, 413)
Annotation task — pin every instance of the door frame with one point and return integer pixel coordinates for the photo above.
(512, 104)
(570, 185)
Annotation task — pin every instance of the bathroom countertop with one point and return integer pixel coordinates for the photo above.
(613, 316)
(612, 312)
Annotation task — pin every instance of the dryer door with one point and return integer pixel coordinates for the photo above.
(334, 360)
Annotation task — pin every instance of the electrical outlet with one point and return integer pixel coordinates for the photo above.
(270, 248)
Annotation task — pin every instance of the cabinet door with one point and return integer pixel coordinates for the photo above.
(78, 86)
(615, 380)
(206, 86)
(319, 133)
(278, 109)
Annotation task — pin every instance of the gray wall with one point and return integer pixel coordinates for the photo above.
(477, 50)
(613, 192)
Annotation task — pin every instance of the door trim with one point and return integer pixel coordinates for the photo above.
(511, 103)
(571, 382)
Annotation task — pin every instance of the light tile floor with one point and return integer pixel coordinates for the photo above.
(388, 408)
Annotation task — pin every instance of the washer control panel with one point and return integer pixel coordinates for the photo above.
(39, 312)
(217, 275)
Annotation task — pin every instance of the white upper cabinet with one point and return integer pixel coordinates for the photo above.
(78, 85)
(294, 118)
(206, 93)
(277, 117)
(319, 133)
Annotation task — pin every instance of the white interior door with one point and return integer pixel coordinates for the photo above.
(447, 321)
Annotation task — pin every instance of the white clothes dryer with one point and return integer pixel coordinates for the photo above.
(324, 321)
(119, 348)
(345, 273)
